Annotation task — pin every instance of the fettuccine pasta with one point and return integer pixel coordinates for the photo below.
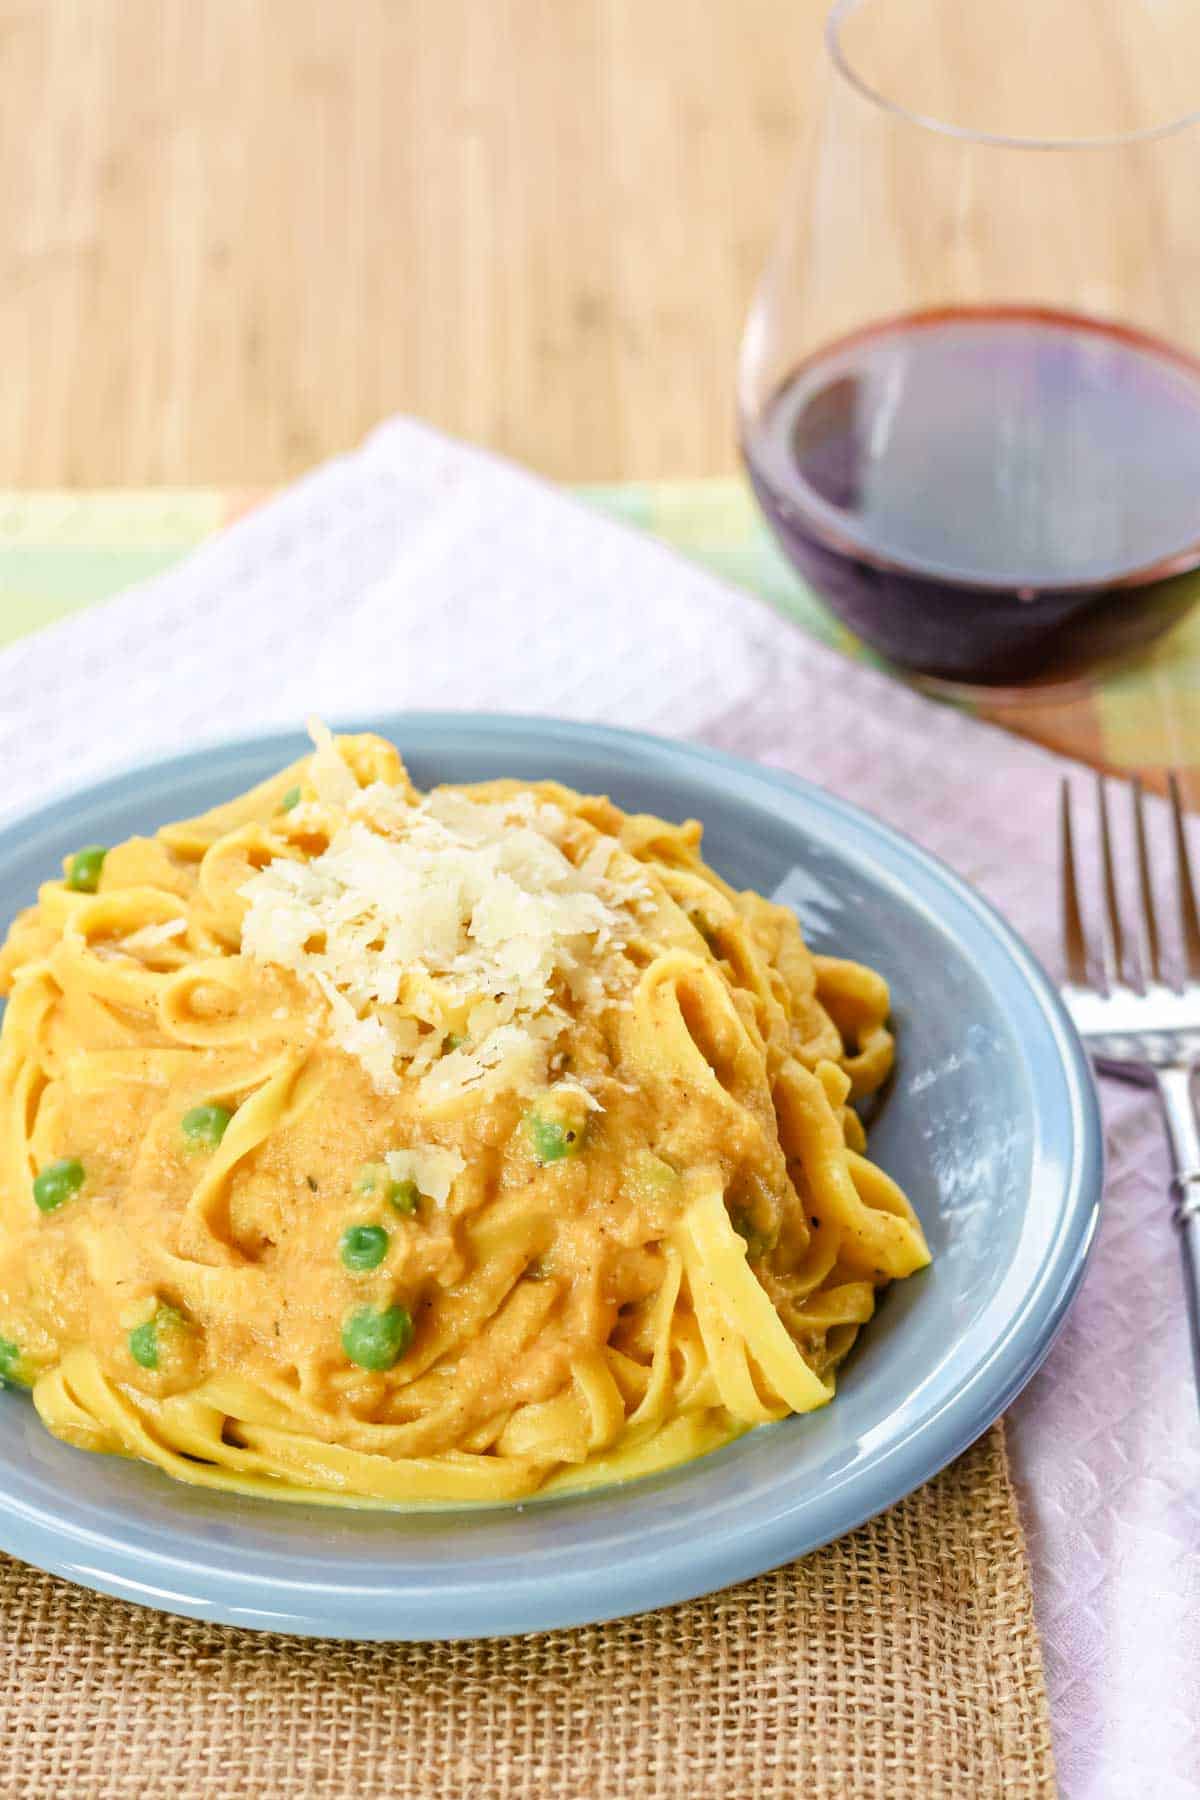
(365, 1146)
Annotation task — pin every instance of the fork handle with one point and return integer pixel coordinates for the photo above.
(1183, 1128)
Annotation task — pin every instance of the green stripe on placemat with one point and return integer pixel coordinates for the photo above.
(60, 552)
(717, 523)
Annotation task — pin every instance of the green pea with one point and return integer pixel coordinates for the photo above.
(405, 1196)
(290, 799)
(57, 1182)
(10, 1356)
(83, 870)
(552, 1139)
(143, 1344)
(145, 1341)
(363, 1247)
(377, 1340)
(758, 1243)
(205, 1126)
(558, 1124)
(374, 1178)
(549, 1140)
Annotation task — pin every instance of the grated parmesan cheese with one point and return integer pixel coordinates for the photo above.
(150, 937)
(332, 778)
(573, 1085)
(447, 914)
(431, 1166)
(144, 941)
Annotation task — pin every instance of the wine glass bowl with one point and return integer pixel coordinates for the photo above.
(969, 392)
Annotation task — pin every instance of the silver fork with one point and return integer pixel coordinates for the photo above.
(1134, 1023)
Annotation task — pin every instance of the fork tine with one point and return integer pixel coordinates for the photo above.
(1108, 878)
(1189, 918)
(1151, 947)
(1074, 942)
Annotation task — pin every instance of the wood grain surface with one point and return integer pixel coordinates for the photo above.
(236, 233)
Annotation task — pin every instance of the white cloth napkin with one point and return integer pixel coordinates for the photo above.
(418, 573)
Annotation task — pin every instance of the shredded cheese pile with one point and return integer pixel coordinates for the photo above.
(440, 919)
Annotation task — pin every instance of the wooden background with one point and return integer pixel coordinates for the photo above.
(236, 233)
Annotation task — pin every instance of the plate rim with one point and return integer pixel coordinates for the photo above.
(540, 1601)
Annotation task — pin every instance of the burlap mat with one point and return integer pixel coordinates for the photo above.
(902, 1661)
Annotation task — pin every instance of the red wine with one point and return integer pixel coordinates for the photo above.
(990, 496)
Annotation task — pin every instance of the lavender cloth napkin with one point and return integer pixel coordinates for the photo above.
(418, 573)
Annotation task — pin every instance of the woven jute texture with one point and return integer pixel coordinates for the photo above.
(902, 1661)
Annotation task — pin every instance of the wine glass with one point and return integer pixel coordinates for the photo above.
(969, 391)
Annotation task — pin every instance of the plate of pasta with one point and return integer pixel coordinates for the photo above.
(472, 1175)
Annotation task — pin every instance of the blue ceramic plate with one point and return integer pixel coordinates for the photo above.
(991, 1126)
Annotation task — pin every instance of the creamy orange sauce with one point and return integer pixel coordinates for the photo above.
(717, 1056)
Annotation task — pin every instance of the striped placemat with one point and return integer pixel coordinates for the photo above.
(902, 1660)
(60, 552)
